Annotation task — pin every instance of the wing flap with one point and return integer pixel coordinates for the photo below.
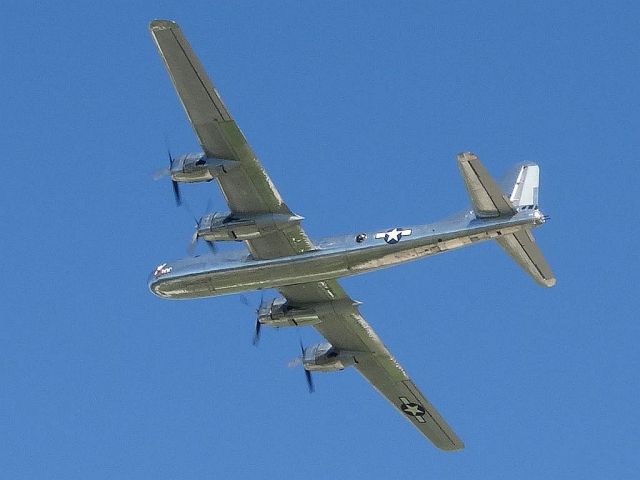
(345, 328)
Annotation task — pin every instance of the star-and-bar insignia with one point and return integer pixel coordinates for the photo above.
(413, 409)
(394, 235)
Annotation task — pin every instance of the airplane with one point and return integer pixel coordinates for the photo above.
(279, 255)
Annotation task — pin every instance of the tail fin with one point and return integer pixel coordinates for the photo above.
(521, 184)
(519, 191)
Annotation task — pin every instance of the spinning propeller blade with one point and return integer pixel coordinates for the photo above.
(192, 244)
(167, 171)
(256, 332)
(176, 192)
(195, 237)
(163, 172)
(309, 381)
(176, 187)
(307, 373)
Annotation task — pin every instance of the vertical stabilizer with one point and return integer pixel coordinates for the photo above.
(521, 184)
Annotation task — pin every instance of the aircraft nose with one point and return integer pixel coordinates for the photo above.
(157, 275)
(151, 280)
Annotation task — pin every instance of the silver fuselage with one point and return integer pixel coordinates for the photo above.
(237, 271)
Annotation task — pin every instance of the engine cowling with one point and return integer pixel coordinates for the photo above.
(324, 357)
(197, 167)
(229, 226)
(278, 313)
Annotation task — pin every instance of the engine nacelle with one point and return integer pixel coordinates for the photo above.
(324, 358)
(228, 226)
(278, 313)
(197, 167)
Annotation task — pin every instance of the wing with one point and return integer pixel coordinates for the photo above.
(247, 189)
(345, 329)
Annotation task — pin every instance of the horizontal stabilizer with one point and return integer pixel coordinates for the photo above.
(488, 199)
(522, 247)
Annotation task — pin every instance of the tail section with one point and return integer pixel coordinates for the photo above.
(519, 192)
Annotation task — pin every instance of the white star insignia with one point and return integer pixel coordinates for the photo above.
(413, 409)
(394, 235)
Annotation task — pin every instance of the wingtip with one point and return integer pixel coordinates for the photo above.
(453, 446)
(160, 24)
(457, 448)
(466, 156)
(545, 281)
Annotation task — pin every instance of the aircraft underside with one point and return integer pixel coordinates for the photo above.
(280, 255)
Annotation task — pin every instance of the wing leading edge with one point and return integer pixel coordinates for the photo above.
(346, 329)
(247, 189)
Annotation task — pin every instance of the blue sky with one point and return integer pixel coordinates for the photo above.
(357, 110)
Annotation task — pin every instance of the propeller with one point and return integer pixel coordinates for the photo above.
(167, 171)
(176, 192)
(299, 360)
(307, 373)
(194, 240)
(256, 332)
(176, 187)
